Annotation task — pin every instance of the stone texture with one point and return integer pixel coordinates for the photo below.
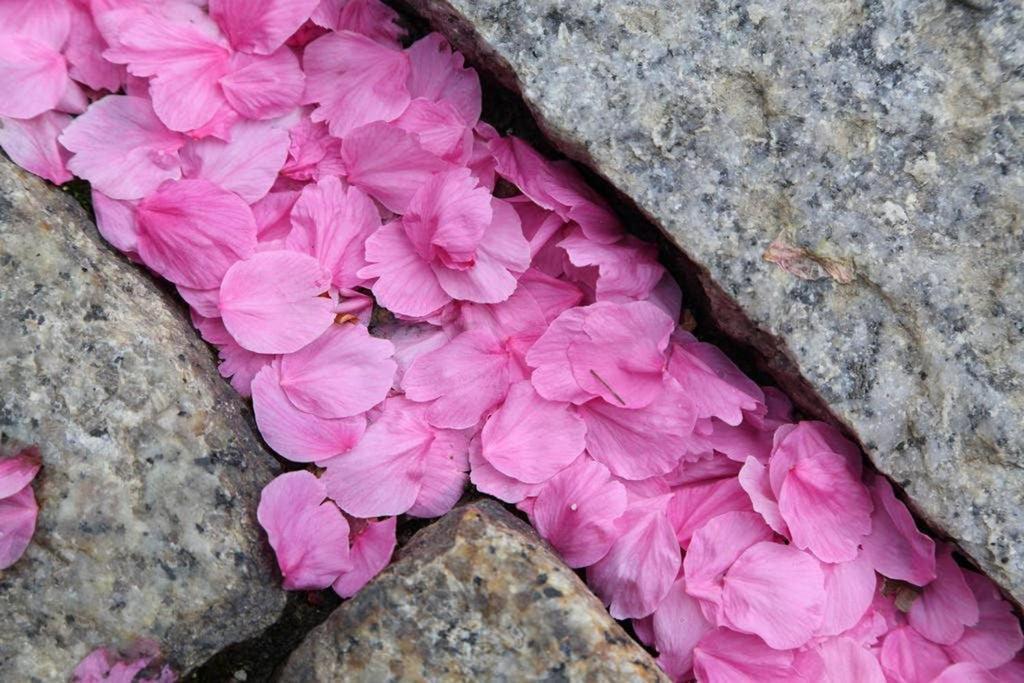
(151, 472)
(474, 597)
(878, 147)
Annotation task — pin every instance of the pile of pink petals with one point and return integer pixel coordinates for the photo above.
(140, 663)
(19, 465)
(415, 302)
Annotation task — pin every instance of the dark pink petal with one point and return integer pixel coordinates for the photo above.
(717, 386)
(849, 592)
(264, 87)
(714, 548)
(191, 232)
(724, 655)
(438, 73)
(531, 439)
(333, 223)
(370, 553)
(692, 506)
(464, 378)
(405, 283)
(18, 514)
(247, 165)
(846, 661)
(122, 148)
(371, 18)
(965, 672)
(946, 605)
(342, 373)
(355, 80)
(636, 444)
(260, 26)
(907, 657)
(388, 164)
(895, 546)
(272, 303)
(309, 536)
(33, 77)
(641, 566)
(1011, 672)
(996, 637)
(299, 436)
(32, 144)
(17, 471)
(739, 442)
(576, 512)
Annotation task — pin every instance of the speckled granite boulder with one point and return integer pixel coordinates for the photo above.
(848, 178)
(151, 473)
(474, 597)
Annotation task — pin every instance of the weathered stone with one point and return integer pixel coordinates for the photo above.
(151, 472)
(850, 176)
(474, 597)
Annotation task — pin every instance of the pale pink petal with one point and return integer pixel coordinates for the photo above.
(241, 365)
(370, 552)
(754, 480)
(260, 26)
(411, 341)
(549, 356)
(576, 512)
(531, 439)
(355, 80)
(247, 165)
(264, 87)
(445, 475)
(849, 592)
(996, 637)
(641, 566)
(32, 144)
(122, 148)
(739, 442)
(946, 605)
(718, 387)
(116, 221)
(333, 223)
(490, 481)
(299, 436)
(191, 232)
(388, 164)
(464, 379)
(907, 657)
(676, 627)
(731, 657)
(48, 21)
(272, 303)
(636, 444)
(33, 77)
(438, 73)
(692, 506)
(309, 536)
(17, 471)
(84, 51)
(438, 127)
(965, 672)
(628, 270)
(794, 442)
(447, 217)
(205, 302)
(405, 283)
(273, 214)
(18, 514)
(343, 373)
(895, 546)
(846, 661)
(371, 18)
(714, 548)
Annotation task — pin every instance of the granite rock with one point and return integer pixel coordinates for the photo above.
(474, 597)
(847, 178)
(151, 472)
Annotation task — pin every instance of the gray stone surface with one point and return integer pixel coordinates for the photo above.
(474, 597)
(151, 473)
(878, 146)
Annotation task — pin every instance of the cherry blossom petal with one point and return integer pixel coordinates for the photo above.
(33, 77)
(677, 626)
(717, 386)
(370, 552)
(724, 655)
(438, 73)
(849, 592)
(444, 478)
(18, 514)
(965, 672)
(84, 50)
(273, 215)
(17, 471)
(371, 18)
(247, 165)
(191, 232)
(405, 284)
(489, 480)
(996, 637)
(907, 657)
(694, 505)
(272, 303)
(794, 442)
(753, 477)
(299, 436)
(48, 21)
(263, 87)
(946, 605)
(438, 127)
(122, 148)
(628, 270)
(846, 661)
(32, 144)
(342, 373)
(260, 26)
(715, 547)
(447, 217)
(895, 546)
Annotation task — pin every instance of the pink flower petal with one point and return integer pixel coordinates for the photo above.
(996, 637)
(272, 303)
(438, 127)
(405, 284)
(48, 21)
(438, 74)
(718, 387)
(33, 77)
(628, 270)
(264, 87)
(694, 505)
(309, 536)
(122, 148)
(678, 625)
(444, 478)
(299, 436)
(116, 221)
(371, 18)
(17, 471)
(370, 553)
(846, 661)
(531, 439)
(447, 217)
(576, 512)
(464, 378)
(724, 655)
(965, 672)
(355, 80)
(84, 50)
(32, 144)
(191, 232)
(946, 605)
(18, 514)
(247, 165)
(849, 592)
(907, 657)
(342, 373)
(489, 480)
(895, 546)
(754, 480)
(260, 26)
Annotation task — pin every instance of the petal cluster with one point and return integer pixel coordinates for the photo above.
(415, 302)
(18, 507)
